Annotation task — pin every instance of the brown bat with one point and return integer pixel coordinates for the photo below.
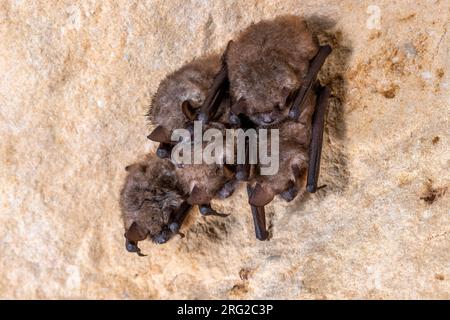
(271, 70)
(181, 98)
(152, 202)
(157, 196)
(299, 155)
(266, 67)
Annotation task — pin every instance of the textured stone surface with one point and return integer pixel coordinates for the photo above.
(76, 78)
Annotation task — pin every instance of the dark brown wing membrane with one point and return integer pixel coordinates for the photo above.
(315, 148)
(308, 81)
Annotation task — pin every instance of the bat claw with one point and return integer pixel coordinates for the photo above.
(163, 236)
(225, 193)
(312, 188)
(132, 247)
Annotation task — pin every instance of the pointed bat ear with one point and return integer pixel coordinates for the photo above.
(188, 110)
(160, 134)
(198, 196)
(260, 196)
(238, 107)
(135, 233)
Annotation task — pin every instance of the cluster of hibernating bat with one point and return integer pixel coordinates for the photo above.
(266, 78)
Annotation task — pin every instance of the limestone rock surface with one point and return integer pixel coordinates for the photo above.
(76, 79)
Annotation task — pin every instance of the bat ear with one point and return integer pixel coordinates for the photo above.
(135, 233)
(260, 196)
(238, 107)
(198, 196)
(188, 110)
(160, 134)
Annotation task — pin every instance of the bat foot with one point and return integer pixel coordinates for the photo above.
(290, 194)
(312, 188)
(175, 228)
(206, 210)
(162, 153)
(228, 189)
(263, 235)
(223, 193)
(181, 234)
(162, 237)
(132, 247)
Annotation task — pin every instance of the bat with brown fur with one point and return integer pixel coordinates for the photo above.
(152, 202)
(182, 97)
(157, 196)
(267, 65)
(272, 69)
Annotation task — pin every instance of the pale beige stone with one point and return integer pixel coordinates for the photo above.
(76, 79)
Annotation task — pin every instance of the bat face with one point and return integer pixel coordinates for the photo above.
(149, 198)
(270, 118)
(265, 103)
(266, 66)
